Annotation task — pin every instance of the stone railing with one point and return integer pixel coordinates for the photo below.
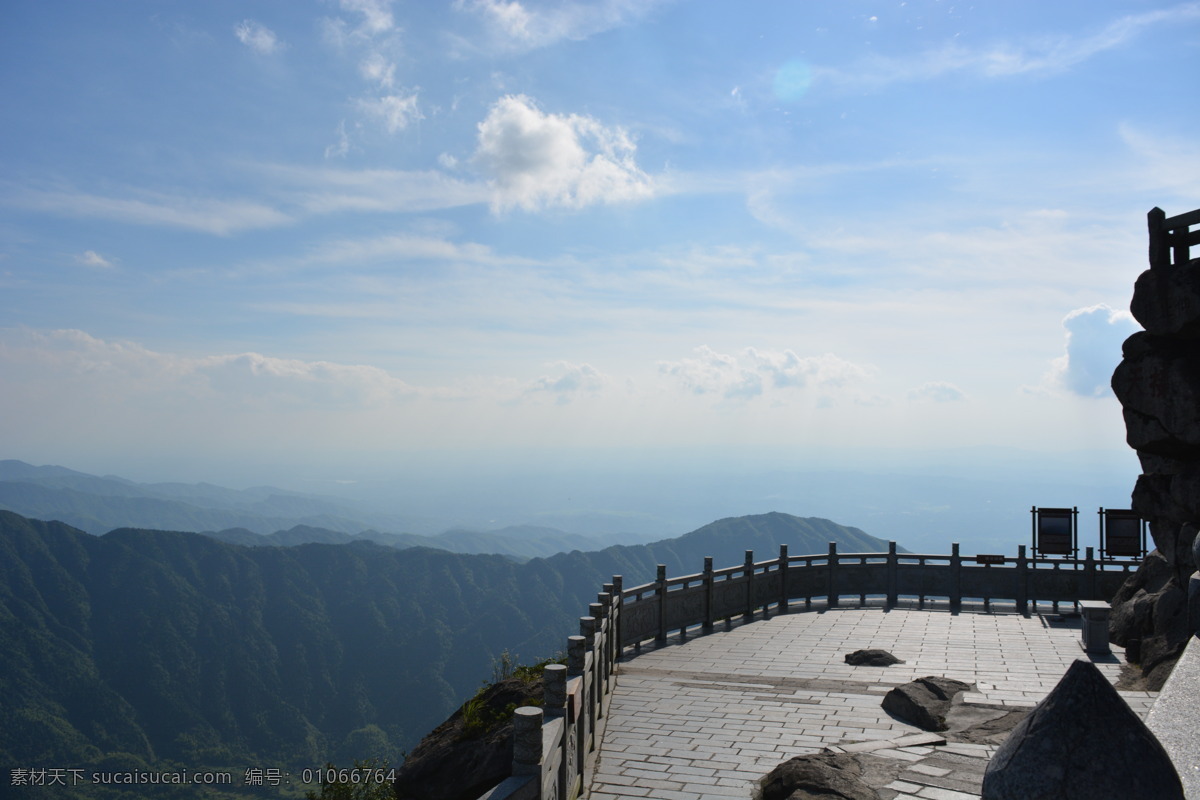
(556, 745)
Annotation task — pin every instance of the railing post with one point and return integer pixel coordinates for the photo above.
(661, 592)
(1089, 576)
(892, 598)
(783, 579)
(956, 585)
(831, 599)
(527, 743)
(708, 594)
(599, 610)
(576, 648)
(1160, 254)
(618, 585)
(748, 567)
(554, 703)
(1022, 581)
(554, 689)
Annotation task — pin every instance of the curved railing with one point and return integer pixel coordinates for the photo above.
(555, 745)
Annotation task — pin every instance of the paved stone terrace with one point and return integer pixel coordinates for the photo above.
(708, 717)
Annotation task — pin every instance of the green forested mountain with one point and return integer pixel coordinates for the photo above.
(154, 647)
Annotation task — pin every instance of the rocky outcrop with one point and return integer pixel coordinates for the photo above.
(470, 752)
(819, 776)
(924, 702)
(1158, 385)
(1080, 743)
(872, 658)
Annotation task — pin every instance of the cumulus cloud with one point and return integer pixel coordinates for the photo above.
(572, 380)
(1093, 349)
(257, 37)
(536, 160)
(755, 371)
(937, 392)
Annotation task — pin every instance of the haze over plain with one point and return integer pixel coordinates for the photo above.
(494, 262)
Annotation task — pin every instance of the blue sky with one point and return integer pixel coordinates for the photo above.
(318, 234)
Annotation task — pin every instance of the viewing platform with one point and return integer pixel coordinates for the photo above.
(696, 686)
(709, 716)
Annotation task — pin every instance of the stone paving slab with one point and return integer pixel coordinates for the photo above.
(709, 716)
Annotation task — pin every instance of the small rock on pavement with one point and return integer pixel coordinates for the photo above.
(925, 701)
(827, 776)
(872, 658)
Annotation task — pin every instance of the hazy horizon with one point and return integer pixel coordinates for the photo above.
(492, 259)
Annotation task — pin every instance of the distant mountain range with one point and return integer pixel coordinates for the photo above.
(152, 648)
(254, 517)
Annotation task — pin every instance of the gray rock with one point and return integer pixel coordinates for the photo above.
(872, 658)
(1166, 300)
(819, 776)
(924, 702)
(1082, 742)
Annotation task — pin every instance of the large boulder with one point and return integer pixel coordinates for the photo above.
(1158, 386)
(818, 776)
(1082, 742)
(924, 702)
(1166, 300)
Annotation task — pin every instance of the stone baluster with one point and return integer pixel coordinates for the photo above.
(527, 741)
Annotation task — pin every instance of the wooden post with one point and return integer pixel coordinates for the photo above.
(831, 599)
(892, 598)
(708, 594)
(783, 579)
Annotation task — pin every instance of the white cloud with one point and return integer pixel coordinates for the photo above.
(937, 392)
(572, 380)
(1166, 164)
(377, 69)
(376, 15)
(1044, 54)
(325, 190)
(395, 111)
(1093, 342)
(756, 371)
(342, 146)
(221, 217)
(90, 258)
(516, 26)
(537, 160)
(257, 37)
(251, 378)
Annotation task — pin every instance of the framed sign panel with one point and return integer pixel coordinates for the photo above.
(1054, 531)
(1122, 533)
